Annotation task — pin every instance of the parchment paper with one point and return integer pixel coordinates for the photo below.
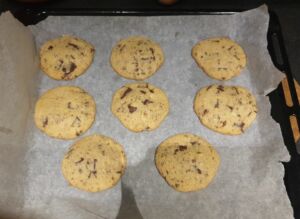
(249, 183)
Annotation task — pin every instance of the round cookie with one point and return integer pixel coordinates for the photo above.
(225, 109)
(65, 112)
(136, 57)
(94, 163)
(219, 58)
(187, 162)
(140, 106)
(66, 57)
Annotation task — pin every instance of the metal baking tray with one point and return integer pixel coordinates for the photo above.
(280, 111)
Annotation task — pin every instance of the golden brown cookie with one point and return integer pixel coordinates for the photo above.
(220, 58)
(66, 57)
(65, 112)
(136, 57)
(225, 109)
(187, 162)
(94, 163)
(140, 106)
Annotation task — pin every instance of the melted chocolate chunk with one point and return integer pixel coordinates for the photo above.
(73, 45)
(223, 123)
(182, 147)
(70, 105)
(220, 88)
(208, 87)
(217, 104)
(132, 109)
(45, 122)
(146, 102)
(240, 125)
(126, 92)
(230, 107)
(50, 47)
(230, 48)
(72, 67)
(79, 161)
(199, 171)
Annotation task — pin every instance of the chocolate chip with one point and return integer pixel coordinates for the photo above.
(230, 48)
(145, 102)
(50, 47)
(199, 171)
(240, 125)
(193, 142)
(45, 122)
(176, 185)
(182, 147)
(230, 107)
(70, 105)
(152, 51)
(208, 87)
(128, 90)
(73, 45)
(220, 88)
(72, 67)
(236, 57)
(223, 123)
(205, 112)
(217, 104)
(143, 92)
(132, 109)
(79, 161)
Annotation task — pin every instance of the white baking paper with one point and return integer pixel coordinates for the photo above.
(249, 183)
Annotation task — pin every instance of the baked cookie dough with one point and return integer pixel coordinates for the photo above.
(225, 109)
(140, 106)
(66, 57)
(136, 57)
(220, 58)
(94, 163)
(187, 162)
(65, 112)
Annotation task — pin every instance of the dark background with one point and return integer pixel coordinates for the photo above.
(287, 11)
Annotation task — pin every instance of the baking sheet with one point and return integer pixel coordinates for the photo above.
(249, 183)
